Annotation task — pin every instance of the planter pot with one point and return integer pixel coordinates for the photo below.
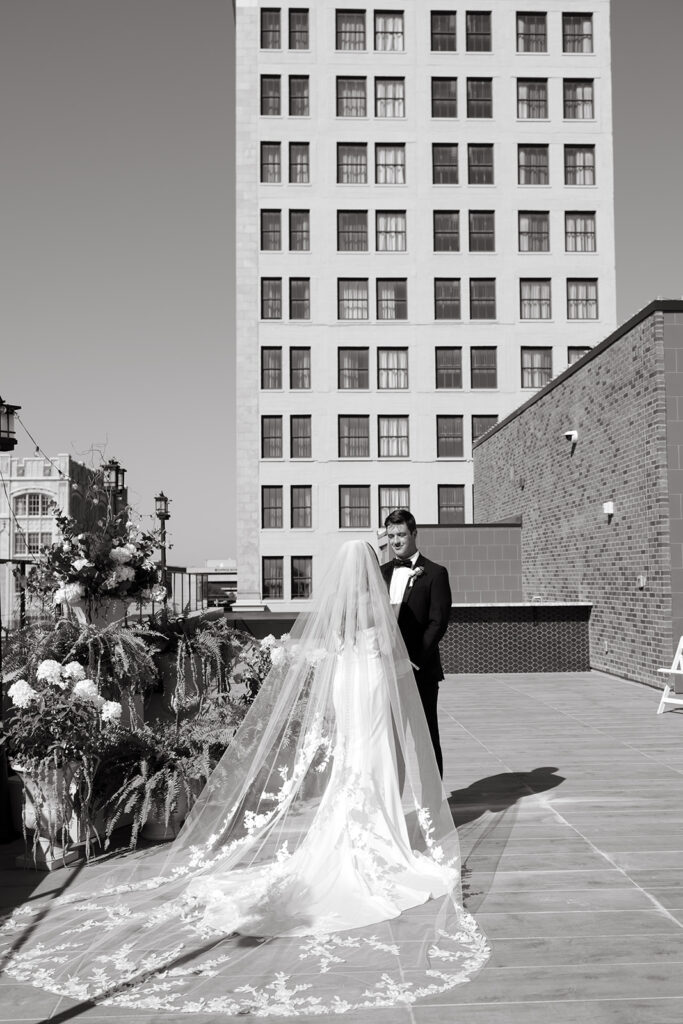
(155, 828)
(49, 816)
(101, 614)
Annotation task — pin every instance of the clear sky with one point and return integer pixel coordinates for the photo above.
(117, 231)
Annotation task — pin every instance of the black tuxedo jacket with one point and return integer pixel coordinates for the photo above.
(423, 617)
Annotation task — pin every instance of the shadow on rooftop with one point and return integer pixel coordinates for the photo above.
(499, 792)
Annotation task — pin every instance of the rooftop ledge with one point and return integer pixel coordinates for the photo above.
(522, 604)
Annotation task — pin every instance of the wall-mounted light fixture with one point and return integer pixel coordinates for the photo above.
(608, 509)
(641, 581)
(572, 436)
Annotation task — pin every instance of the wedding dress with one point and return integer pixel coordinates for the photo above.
(325, 819)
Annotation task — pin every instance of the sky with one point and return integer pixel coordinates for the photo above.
(117, 229)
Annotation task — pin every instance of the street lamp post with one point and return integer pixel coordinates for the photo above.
(161, 510)
(8, 437)
(114, 476)
(8, 440)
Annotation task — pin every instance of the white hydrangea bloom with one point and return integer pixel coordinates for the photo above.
(122, 554)
(69, 593)
(86, 689)
(21, 693)
(267, 642)
(50, 671)
(111, 711)
(73, 671)
(277, 655)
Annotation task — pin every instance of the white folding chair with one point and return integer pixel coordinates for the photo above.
(676, 684)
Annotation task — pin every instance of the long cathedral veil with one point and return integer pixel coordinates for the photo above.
(325, 819)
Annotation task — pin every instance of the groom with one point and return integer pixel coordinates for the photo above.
(421, 596)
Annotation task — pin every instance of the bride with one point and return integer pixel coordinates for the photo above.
(325, 820)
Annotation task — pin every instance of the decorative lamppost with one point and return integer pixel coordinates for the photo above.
(114, 476)
(7, 433)
(161, 510)
(8, 441)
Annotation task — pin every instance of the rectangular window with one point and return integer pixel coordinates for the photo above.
(389, 30)
(579, 231)
(271, 508)
(579, 165)
(352, 298)
(390, 164)
(390, 230)
(449, 444)
(299, 298)
(302, 576)
(534, 230)
(448, 368)
(352, 230)
(447, 298)
(299, 230)
(480, 164)
(480, 97)
(446, 230)
(444, 97)
(271, 298)
(270, 95)
(582, 299)
(392, 369)
(392, 298)
(20, 507)
(298, 28)
(20, 545)
(271, 170)
(352, 100)
(445, 163)
(478, 31)
(534, 299)
(577, 33)
(532, 98)
(350, 30)
(451, 504)
(482, 298)
(354, 437)
(271, 368)
(354, 507)
(390, 97)
(483, 368)
(300, 437)
(537, 367)
(272, 572)
(532, 32)
(482, 231)
(271, 230)
(271, 437)
(532, 165)
(578, 99)
(352, 163)
(576, 352)
(480, 424)
(353, 369)
(270, 28)
(443, 31)
(300, 369)
(392, 497)
(299, 163)
(299, 96)
(302, 507)
(392, 437)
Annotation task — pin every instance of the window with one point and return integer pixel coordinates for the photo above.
(392, 299)
(478, 31)
(390, 164)
(352, 299)
(446, 231)
(298, 28)
(582, 299)
(31, 542)
(354, 437)
(270, 162)
(480, 164)
(479, 97)
(392, 369)
(532, 165)
(534, 231)
(350, 30)
(299, 230)
(537, 367)
(532, 33)
(390, 98)
(271, 437)
(271, 298)
(443, 31)
(301, 506)
(482, 298)
(271, 368)
(353, 369)
(574, 353)
(445, 163)
(300, 369)
(532, 98)
(352, 100)
(302, 576)
(354, 507)
(271, 230)
(299, 96)
(392, 437)
(271, 508)
(579, 231)
(578, 98)
(579, 165)
(480, 424)
(272, 572)
(447, 298)
(299, 298)
(299, 166)
(270, 28)
(444, 97)
(390, 498)
(482, 231)
(451, 503)
(300, 437)
(34, 505)
(448, 368)
(390, 230)
(352, 230)
(449, 437)
(534, 299)
(388, 30)
(270, 95)
(577, 33)
(483, 368)
(352, 163)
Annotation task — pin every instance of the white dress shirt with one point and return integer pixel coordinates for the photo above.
(399, 582)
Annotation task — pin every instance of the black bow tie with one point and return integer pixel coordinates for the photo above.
(407, 563)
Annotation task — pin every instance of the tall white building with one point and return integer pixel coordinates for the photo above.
(425, 236)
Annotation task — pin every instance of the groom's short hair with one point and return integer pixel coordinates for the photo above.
(401, 515)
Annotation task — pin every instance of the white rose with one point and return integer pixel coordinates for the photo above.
(277, 655)
(159, 593)
(50, 671)
(124, 572)
(86, 689)
(81, 563)
(267, 642)
(73, 671)
(21, 694)
(122, 554)
(111, 711)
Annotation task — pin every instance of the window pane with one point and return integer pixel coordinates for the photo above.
(580, 232)
(271, 437)
(393, 437)
(270, 230)
(271, 298)
(270, 94)
(478, 31)
(482, 298)
(300, 439)
(270, 162)
(352, 230)
(392, 368)
(352, 299)
(451, 503)
(446, 231)
(480, 164)
(448, 367)
(482, 231)
(537, 367)
(390, 498)
(270, 28)
(354, 507)
(390, 97)
(447, 298)
(299, 162)
(20, 505)
(353, 368)
(532, 36)
(575, 353)
(480, 424)
(582, 299)
(392, 299)
(302, 576)
(577, 33)
(352, 97)
(534, 231)
(272, 569)
(444, 97)
(479, 97)
(443, 31)
(299, 298)
(390, 164)
(449, 442)
(532, 165)
(388, 30)
(300, 369)
(271, 368)
(350, 26)
(579, 165)
(445, 164)
(354, 437)
(578, 99)
(483, 369)
(391, 230)
(299, 230)
(532, 98)
(299, 96)
(298, 29)
(535, 299)
(271, 508)
(302, 505)
(352, 163)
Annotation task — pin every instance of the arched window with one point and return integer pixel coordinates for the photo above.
(33, 522)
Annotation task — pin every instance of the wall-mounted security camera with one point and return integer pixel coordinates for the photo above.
(572, 436)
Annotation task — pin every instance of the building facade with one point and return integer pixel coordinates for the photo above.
(424, 237)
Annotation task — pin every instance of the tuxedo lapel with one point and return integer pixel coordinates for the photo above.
(410, 585)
